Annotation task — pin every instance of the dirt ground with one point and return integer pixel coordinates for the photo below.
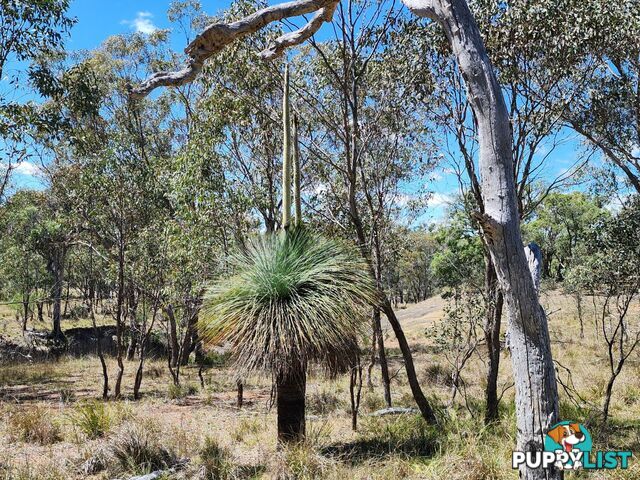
(49, 414)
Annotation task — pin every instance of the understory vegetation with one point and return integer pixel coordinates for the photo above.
(85, 438)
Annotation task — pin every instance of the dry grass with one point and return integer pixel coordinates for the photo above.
(206, 427)
(35, 424)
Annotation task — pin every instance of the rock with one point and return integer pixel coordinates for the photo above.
(394, 411)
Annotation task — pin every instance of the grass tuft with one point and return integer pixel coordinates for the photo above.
(93, 419)
(177, 392)
(33, 425)
(136, 449)
(215, 461)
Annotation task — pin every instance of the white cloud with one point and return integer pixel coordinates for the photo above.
(436, 176)
(438, 199)
(27, 168)
(403, 199)
(616, 203)
(320, 189)
(142, 23)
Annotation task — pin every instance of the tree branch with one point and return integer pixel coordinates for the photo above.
(218, 35)
(299, 36)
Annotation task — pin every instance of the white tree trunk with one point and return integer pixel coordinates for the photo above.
(536, 390)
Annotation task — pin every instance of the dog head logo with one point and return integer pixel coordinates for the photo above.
(569, 437)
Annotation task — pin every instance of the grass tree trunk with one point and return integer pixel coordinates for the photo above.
(290, 399)
(534, 375)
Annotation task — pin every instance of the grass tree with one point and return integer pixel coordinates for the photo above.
(297, 299)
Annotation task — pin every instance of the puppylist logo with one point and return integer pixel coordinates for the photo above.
(568, 446)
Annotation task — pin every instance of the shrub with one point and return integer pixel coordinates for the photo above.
(67, 396)
(438, 375)
(407, 435)
(96, 463)
(631, 395)
(33, 425)
(136, 449)
(323, 402)
(216, 359)
(93, 419)
(318, 434)
(373, 401)
(176, 392)
(215, 461)
(300, 462)
(246, 427)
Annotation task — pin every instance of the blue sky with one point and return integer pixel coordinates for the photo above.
(98, 19)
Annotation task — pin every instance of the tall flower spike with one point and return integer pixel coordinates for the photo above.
(286, 153)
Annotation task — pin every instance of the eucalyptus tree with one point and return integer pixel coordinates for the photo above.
(233, 115)
(29, 31)
(592, 49)
(559, 225)
(23, 269)
(364, 139)
(608, 270)
(38, 234)
(499, 218)
(536, 390)
(511, 32)
(410, 278)
(112, 153)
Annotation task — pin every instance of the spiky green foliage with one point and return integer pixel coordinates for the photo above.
(298, 298)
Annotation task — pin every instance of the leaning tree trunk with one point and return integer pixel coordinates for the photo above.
(536, 390)
(423, 404)
(290, 399)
